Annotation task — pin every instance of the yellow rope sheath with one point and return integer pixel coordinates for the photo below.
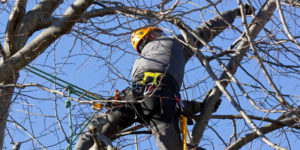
(183, 128)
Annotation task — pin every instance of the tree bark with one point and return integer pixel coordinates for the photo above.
(10, 46)
(6, 95)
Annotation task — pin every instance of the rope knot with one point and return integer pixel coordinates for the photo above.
(67, 103)
(70, 89)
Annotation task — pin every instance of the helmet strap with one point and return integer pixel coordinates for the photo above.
(144, 41)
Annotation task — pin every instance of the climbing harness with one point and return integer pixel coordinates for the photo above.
(150, 81)
(151, 77)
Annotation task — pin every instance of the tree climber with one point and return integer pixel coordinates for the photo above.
(157, 75)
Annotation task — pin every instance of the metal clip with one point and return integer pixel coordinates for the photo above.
(148, 89)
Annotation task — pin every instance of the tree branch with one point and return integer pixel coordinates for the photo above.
(13, 27)
(287, 31)
(38, 45)
(29, 134)
(258, 23)
(250, 40)
(252, 117)
(37, 18)
(253, 135)
(279, 96)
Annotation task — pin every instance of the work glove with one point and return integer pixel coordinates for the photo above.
(248, 10)
(216, 105)
(192, 107)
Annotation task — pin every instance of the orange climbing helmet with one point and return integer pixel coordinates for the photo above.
(137, 37)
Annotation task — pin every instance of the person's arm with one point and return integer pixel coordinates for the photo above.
(213, 27)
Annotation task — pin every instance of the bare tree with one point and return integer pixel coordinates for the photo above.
(254, 64)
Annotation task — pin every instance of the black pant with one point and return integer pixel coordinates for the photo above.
(158, 110)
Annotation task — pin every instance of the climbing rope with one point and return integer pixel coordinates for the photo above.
(72, 89)
(64, 84)
(85, 125)
(68, 106)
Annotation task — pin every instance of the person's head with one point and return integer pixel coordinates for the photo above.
(141, 37)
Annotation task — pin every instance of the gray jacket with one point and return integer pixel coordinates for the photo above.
(166, 54)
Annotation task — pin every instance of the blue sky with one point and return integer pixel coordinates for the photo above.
(93, 74)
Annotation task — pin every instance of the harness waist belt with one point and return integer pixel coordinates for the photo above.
(151, 77)
(158, 78)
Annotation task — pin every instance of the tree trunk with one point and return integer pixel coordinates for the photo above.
(18, 55)
(6, 95)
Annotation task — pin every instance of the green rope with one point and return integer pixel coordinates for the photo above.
(68, 105)
(44, 77)
(78, 93)
(50, 75)
(82, 129)
(76, 90)
(72, 89)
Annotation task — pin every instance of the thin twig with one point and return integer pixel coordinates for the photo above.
(286, 29)
(20, 126)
